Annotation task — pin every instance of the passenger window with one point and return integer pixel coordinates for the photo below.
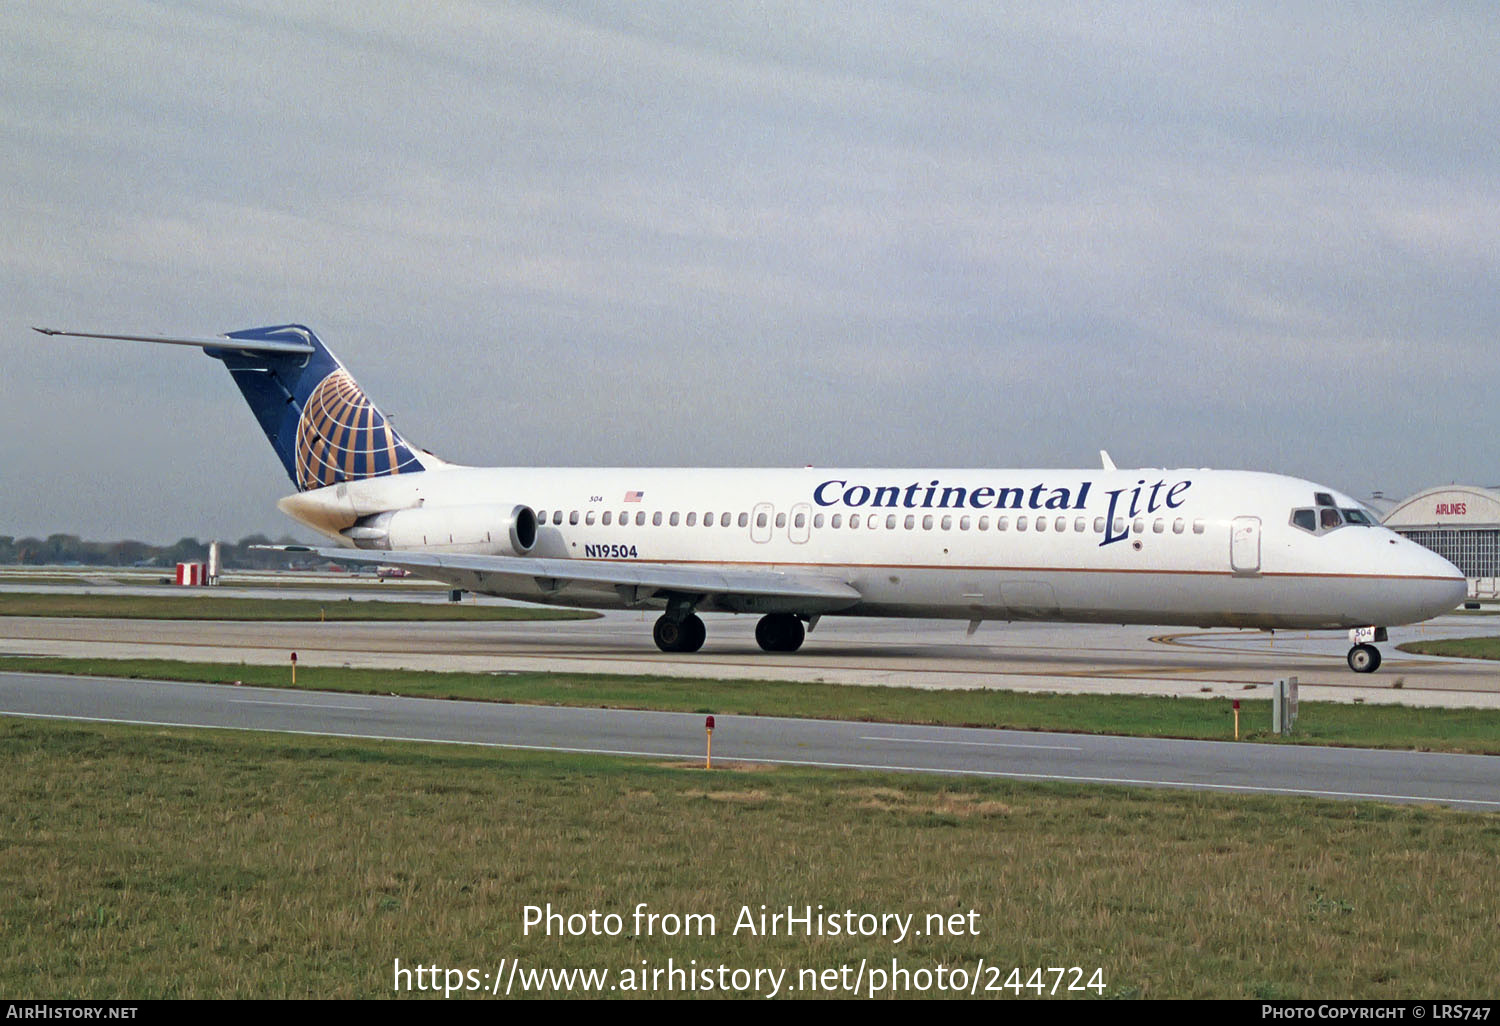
(1138, 526)
(984, 523)
(588, 518)
(963, 523)
(640, 519)
(799, 521)
(1001, 523)
(744, 519)
(556, 516)
(837, 521)
(673, 520)
(708, 520)
(1041, 523)
(890, 522)
(1119, 527)
(541, 517)
(656, 519)
(1098, 525)
(1080, 525)
(608, 516)
(573, 517)
(817, 520)
(1060, 524)
(1178, 525)
(911, 522)
(927, 522)
(853, 520)
(781, 520)
(1158, 526)
(947, 523)
(1197, 527)
(692, 520)
(724, 519)
(1305, 519)
(1020, 523)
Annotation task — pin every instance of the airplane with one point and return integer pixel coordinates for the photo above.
(1189, 547)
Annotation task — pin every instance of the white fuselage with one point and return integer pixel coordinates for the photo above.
(1191, 547)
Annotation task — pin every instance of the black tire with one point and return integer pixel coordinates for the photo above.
(1364, 659)
(667, 634)
(693, 634)
(779, 632)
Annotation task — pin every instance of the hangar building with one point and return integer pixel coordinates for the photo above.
(1460, 523)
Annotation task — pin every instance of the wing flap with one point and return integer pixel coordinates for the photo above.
(810, 592)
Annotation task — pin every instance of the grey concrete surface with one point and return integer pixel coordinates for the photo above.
(1461, 780)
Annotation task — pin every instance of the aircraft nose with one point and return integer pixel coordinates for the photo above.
(1434, 585)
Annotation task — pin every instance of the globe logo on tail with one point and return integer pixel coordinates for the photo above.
(341, 436)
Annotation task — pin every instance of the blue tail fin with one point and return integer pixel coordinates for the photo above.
(317, 418)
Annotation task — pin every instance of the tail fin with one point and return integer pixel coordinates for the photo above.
(316, 417)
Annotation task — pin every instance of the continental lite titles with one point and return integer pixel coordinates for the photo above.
(1143, 498)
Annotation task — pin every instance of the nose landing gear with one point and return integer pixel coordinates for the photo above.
(1364, 657)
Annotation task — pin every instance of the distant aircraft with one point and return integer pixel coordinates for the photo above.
(1203, 548)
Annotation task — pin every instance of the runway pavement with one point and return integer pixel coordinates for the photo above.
(1460, 780)
(920, 653)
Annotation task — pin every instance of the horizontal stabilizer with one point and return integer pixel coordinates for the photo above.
(242, 345)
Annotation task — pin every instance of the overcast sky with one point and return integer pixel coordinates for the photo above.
(952, 234)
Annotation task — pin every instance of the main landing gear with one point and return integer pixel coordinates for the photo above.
(1364, 657)
(779, 632)
(681, 635)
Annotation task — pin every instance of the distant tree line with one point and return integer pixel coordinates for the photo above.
(69, 549)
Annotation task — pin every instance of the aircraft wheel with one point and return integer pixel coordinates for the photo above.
(667, 634)
(693, 633)
(685, 635)
(1364, 659)
(779, 632)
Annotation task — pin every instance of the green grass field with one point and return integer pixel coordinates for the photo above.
(1374, 726)
(1463, 648)
(203, 607)
(139, 862)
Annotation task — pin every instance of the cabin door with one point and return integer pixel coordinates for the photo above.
(800, 527)
(760, 522)
(1244, 546)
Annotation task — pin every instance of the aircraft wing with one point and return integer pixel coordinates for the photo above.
(755, 588)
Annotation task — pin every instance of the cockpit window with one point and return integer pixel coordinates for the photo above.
(1323, 519)
(1322, 499)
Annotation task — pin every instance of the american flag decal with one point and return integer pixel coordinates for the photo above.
(634, 496)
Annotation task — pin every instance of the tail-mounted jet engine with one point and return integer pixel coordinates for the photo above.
(479, 530)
